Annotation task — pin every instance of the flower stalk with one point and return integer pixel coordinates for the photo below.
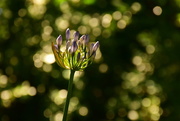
(78, 54)
(70, 85)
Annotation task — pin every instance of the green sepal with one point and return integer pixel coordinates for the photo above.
(58, 57)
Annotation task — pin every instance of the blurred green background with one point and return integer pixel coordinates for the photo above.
(135, 76)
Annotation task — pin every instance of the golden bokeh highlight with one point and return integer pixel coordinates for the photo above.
(150, 49)
(76, 18)
(133, 115)
(146, 102)
(136, 6)
(49, 58)
(7, 96)
(37, 11)
(79, 85)
(117, 15)
(83, 111)
(137, 83)
(58, 96)
(103, 68)
(3, 81)
(96, 31)
(106, 20)
(121, 24)
(58, 116)
(83, 29)
(93, 22)
(135, 105)
(61, 23)
(137, 60)
(157, 10)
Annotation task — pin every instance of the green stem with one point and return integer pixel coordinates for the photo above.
(68, 95)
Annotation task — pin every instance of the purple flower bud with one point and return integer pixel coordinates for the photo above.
(67, 34)
(90, 52)
(82, 38)
(86, 39)
(59, 40)
(76, 35)
(95, 46)
(74, 47)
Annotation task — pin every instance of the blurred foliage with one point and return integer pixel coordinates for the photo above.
(135, 75)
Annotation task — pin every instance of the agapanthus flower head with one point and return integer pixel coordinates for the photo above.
(79, 52)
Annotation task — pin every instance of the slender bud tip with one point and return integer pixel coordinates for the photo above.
(67, 34)
(59, 40)
(95, 46)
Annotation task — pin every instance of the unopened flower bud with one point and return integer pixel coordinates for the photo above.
(59, 41)
(74, 47)
(82, 38)
(95, 46)
(67, 34)
(86, 39)
(76, 35)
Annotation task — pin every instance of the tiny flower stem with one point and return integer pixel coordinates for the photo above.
(70, 85)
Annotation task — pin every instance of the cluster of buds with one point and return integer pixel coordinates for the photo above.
(78, 54)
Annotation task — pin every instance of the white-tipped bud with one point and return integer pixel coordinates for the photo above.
(95, 46)
(59, 40)
(82, 40)
(76, 35)
(67, 34)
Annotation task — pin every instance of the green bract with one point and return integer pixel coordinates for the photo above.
(79, 53)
